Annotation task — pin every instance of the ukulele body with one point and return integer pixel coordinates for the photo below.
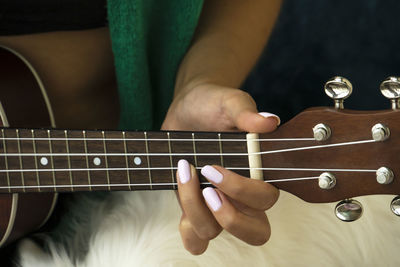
(23, 103)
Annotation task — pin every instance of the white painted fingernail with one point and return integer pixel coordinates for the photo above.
(212, 198)
(270, 115)
(184, 171)
(212, 174)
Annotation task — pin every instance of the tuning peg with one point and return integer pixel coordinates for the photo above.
(338, 88)
(395, 205)
(390, 88)
(348, 210)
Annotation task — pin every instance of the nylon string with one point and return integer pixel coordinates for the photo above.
(131, 184)
(190, 154)
(171, 154)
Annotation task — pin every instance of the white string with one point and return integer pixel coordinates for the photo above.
(190, 154)
(120, 154)
(318, 146)
(130, 184)
(154, 139)
(175, 168)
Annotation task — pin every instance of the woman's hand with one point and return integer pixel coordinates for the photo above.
(210, 107)
(221, 55)
(237, 204)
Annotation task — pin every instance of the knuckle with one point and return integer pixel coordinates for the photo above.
(263, 234)
(236, 192)
(195, 249)
(261, 239)
(208, 233)
(238, 94)
(268, 197)
(248, 97)
(187, 200)
(241, 93)
(229, 220)
(184, 225)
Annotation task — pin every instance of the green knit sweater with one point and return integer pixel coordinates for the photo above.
(149, 40)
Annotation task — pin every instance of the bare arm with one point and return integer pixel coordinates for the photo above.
(230, 37)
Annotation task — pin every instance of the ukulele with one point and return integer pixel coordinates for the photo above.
(321, 155)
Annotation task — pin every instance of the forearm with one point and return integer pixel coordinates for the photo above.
(230, 37)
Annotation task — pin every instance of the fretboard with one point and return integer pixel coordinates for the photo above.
(42, 160)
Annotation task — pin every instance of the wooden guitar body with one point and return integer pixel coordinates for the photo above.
(23, 103)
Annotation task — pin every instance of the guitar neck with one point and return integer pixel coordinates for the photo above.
(41, 160)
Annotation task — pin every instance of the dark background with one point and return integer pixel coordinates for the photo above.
(316, 40)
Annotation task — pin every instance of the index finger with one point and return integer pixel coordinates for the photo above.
(253, 193)
(241, 108)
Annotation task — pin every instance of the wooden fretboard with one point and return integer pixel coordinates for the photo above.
(41, 160)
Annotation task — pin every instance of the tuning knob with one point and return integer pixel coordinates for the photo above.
(390, 88)
(321, 132)
(338, 88)
(348, 210)
(395, 205)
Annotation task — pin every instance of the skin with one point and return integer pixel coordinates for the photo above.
(206, 98)
(77, 70)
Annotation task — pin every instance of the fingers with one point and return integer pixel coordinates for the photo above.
(241, 211)
(242, 111)
(253, 193)
(190, 239)
(192, 202)
(254, 230)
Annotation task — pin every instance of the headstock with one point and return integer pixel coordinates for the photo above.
(329, 154)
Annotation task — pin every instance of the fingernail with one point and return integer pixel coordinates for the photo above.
(212, 174)
(184, 171)
(212, 198)
(270, 115)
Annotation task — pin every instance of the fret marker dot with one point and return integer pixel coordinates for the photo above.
(96, 161)
(137, 161)
(44, 161)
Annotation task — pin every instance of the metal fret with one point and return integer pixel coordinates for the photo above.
(148, 159)
(69, 159)
(126, 161)
(87, 160)
(5, 160)
(194, 151)
(170, 161)
(20, 161)
(52, 161)
(105, 157)
(220, 149)
(36, 163)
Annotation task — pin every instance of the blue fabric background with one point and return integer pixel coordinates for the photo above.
(315, 40)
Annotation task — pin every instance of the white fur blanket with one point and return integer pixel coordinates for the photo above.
(141, 229)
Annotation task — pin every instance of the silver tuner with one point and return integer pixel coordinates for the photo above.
(338, 88)
(348, 210)
(390, 88)
(384, 175)
(380, 132)
(326, 180)
(395, 205)
(321, 132)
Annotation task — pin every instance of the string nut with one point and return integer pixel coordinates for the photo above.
(338, 89)
(326, 180)
(384, 175)
(390, 88)
(322, 132)
(380, 132)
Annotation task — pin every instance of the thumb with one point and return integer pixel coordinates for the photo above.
(242, 111)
